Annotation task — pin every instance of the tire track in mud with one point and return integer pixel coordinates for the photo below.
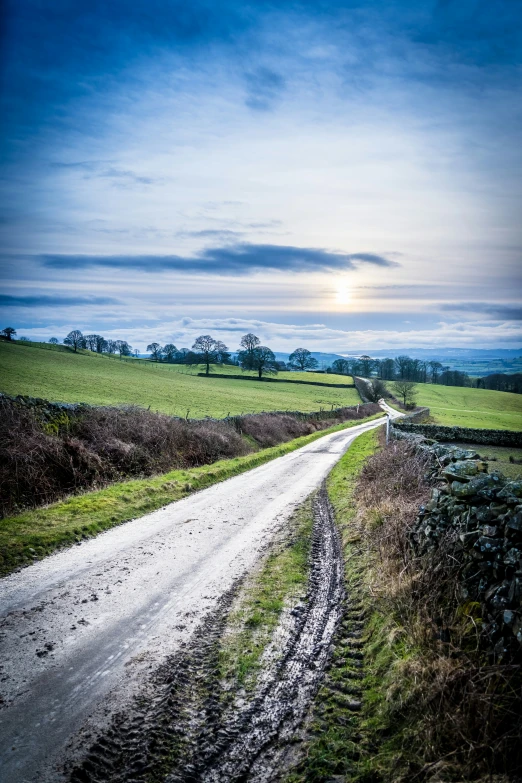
(186, 727)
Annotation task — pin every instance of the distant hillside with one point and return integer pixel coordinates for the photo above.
(63, 376)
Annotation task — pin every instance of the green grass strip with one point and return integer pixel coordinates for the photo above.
(36, 533)
(280, 581)
(336, 746)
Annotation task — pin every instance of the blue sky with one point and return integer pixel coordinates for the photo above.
(345, 175)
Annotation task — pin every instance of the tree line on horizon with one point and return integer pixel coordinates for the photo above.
(251, 355)
(405, 368)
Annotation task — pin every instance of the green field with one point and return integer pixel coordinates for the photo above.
(63, 376)
(453, 405)
(498, 458)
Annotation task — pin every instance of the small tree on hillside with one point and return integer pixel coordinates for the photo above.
(302, 359)
(248, 343)
(262, 361)
(169, 352)
(91, 341)
(123, 348)
(209, 351)
(155, 350)
(54, 340)
(406, 391)
(8, 332)
(221, 353)
(75, 340)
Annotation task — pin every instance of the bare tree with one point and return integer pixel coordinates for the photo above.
(366, 364)
(387, 369)
(376, 390)
(436, 369)
(110, 346)
(221, 353)
(8, 332)
(406, 391)
(54, 340)
(75, 340)
(341, 366)
(169, 352)
(248, 343)
(91, 341)
(262, 360)
(403, 365)
(302, 359)
(209, 351)
(156, 350)
(123, 348)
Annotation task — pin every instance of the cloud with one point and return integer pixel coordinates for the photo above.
(498, 312)
(212, 233)
(54, 301)
(314, 336)
(235, 259)
(106, 170)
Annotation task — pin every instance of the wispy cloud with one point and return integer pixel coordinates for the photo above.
(264, 87)
(497, 312)
(106, 170)
(234, 259)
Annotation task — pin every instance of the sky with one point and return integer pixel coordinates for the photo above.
(343, 176)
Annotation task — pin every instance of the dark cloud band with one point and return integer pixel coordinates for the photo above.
(236, 259)
(54, 301)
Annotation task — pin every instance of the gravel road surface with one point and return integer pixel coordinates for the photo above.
(81, 629)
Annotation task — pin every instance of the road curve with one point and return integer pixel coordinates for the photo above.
(80, 629)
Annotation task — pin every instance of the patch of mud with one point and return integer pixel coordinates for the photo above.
(186, 726)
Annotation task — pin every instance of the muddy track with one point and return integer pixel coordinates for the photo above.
(186, 726)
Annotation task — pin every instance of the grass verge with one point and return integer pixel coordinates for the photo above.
(434, 706)
(336, 744)
(36, 533)
(278, 583)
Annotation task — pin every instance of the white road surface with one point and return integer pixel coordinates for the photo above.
(80, 629)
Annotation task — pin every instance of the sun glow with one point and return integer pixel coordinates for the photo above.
(343, 295)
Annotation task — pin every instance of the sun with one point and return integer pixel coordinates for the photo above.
(343, 295)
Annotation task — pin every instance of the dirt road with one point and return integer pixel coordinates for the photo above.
(81, 629)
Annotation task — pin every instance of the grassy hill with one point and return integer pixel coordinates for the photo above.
(453, 405)
(59, 374)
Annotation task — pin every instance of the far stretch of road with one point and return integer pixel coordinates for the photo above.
(80, 629)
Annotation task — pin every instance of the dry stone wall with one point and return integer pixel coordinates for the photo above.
(481, 513)
(444, 434)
